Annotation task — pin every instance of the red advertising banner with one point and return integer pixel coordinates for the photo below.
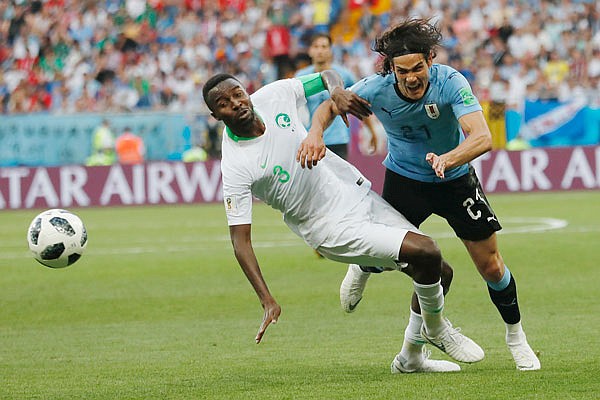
(80, 186)
(538, 169)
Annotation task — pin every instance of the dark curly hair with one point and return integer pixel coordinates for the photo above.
(409, 37)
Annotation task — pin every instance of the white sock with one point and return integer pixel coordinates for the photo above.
(412, 347)
(431, 300)
(515, 333)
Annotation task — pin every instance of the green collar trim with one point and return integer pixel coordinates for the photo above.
(237, 138)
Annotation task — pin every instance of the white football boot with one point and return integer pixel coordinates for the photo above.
(352, 287)
(400, 365)
(455, 344)
(522, 353)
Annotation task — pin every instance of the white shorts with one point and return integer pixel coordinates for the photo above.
(370, 235)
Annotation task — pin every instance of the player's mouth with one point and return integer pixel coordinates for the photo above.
(414, 89)
(244, 113)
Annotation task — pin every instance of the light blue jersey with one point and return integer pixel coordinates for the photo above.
(415, 128)
(337, 133)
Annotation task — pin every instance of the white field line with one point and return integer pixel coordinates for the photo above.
(189, 242)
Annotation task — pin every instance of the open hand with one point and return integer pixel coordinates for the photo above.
(438, 164)
(347, 101)
(272, 312)
(311, 151)
(373, 145)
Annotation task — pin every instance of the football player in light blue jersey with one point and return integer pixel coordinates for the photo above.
(417, 127)
(435, 127)
(337, 136)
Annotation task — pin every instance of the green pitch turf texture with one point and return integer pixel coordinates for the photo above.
(158, 308)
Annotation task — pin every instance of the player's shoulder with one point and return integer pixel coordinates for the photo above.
(442, 74)
(375, 82)
(275, 90)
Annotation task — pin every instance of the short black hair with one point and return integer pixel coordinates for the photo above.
(409, 37)
(214, 81)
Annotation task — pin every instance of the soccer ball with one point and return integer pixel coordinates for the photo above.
(56, 238)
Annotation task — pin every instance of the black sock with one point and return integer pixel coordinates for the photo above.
(373, 270)
(506, 302)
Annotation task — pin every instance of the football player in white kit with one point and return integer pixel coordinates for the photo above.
(328, 204)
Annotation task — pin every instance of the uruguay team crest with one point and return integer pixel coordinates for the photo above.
(432, 111)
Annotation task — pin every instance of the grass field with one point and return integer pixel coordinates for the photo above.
(159, 309)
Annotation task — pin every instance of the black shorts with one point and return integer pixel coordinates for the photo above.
(339, 149)
(460, 201)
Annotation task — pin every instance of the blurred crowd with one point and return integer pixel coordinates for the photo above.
(67, 56)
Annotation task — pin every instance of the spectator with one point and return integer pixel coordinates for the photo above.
(103, 145)
(130, 148)
(73, 44)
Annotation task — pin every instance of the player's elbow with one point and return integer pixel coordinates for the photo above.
(488, 144)
(485, 142)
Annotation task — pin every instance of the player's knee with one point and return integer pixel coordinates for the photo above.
(430, 255)
(492, 270)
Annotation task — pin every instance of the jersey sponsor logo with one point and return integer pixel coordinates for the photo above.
(264, 164)
(432, 110)
(283, 120)
(467, 96)
(282, 174)
(386, 111)
(230, 204)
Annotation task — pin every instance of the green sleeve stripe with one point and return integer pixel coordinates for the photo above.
(312, 83)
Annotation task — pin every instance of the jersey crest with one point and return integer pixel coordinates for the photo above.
(432, 110)
(283, 120)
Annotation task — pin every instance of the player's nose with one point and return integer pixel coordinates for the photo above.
(235, 103)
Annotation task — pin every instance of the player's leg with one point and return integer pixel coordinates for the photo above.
(339, 149)
(374, 234)
(464, 205)
(424, 258)
(403, 195)
(446, 281)
(410, 198)
(503, 293)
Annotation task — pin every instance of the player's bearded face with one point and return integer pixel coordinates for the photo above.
(412, 74)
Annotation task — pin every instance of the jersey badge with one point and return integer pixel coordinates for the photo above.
(283, 120)
(230, 204)
(467, 96)
(432, 110)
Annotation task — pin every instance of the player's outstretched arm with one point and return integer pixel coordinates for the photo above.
(370, 124)
(312, 149)
(345, 100)
(242, 246)
(478, 141)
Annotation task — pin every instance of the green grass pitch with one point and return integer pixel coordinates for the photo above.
(158, 308)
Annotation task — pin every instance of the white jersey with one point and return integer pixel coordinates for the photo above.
(311, 200)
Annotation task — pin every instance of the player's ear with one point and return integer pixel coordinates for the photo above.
(429, 60)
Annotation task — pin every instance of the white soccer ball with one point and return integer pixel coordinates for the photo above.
(57, 238)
